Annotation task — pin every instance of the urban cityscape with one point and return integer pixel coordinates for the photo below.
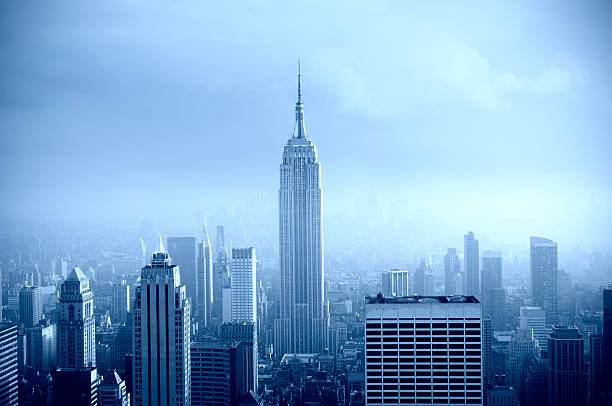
(237, 294)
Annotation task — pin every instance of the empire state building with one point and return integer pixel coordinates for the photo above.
(304, 314)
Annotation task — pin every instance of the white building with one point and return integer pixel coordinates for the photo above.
(423, 350)
(77, 325)
(395, 282)
(243, 286)
(534, 319)
(303, 323)
(120, 304)
(161, 367)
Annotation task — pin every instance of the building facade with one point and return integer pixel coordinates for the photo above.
(543, 263)
(533, 319)
(303, 323)
(395, 282)
(243, 286)
(423, 350)
(471, 259)
(30, 305)
(452, 269)
(566, 383)
(76, 328)
(182, 250)
(161, 366)
(9, 391)
(205, 280)
(120, 302)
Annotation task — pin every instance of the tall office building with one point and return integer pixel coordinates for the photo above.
(471, 259)
(9, 392)
(120, 304)
(205, 279)
(210, 373)
(182, 250)
(30, 306)
(534, 320)
(521, 351)
(423, 281)
(596, 370)
(452, 269)
(543, 261)
(41, 342)
(221, 279)
(243, 285)
(501, 394)
(243, 337)
(423, 350)
(303, 322)
(161, 367)
(607, 337)
(75, 386)
(565, 371)
(395, 282)
(112, 391)
(493, 295)
(76, 327)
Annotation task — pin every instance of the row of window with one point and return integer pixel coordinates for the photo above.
(370, 325)
(422, 380)
(389, 376)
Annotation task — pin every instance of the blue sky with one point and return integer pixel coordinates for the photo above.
(490, 116)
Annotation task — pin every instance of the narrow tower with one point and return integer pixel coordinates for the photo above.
(304, 321)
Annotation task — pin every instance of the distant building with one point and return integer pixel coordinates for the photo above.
(9, 392)
(120, 305)
(597, 390)
(30, 305)
(501, 394)
(243, 336)
(493, 294)
(395, 283)
(41, 342)
(112, 391)
(565, 372)
(182, 250)
(161, 367)
(210, 373)
(521, 351)
(75, 387)
(204, 268)
(221, 279)
(423, 281)
(452, 269)
(543, 262)
(418, 337)
(607, 337)
(534, 319)
(243, 285)
(76, 328)
(471, 260)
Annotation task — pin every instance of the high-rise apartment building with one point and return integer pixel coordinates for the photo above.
(543, 262)
(395, 282)
(423, 350)
(534, 320)
(205, 280)
(452, 269)
(76, 328)
(243, 286)
(9, 391)
(120, 302)
(471, 259)
(303, 322)
(566, 383)
(182, 250)
(161, 367)
(30, 305)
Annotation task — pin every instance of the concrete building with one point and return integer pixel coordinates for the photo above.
(210, 373)
(543, 262)
(30, 305)
(471, 259)
(303, 322)
(41, 349)
(452, 270)
(421, 350)
(9, 391)
(112, 391)
(501, 394)
(493, 294)
(395, 282)
(566, 383)
(161, 367)
(120, 304)
(243, 286)
(534, 320)
(204, 268)
(76, 328)
(243, 337)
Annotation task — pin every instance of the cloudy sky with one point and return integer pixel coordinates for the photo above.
(488, 116)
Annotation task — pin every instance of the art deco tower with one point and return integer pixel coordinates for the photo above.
(304, 320)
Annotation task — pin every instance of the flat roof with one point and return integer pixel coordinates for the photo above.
(420, 299)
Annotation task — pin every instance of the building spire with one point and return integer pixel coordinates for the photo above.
(161, 244)
(299, 108)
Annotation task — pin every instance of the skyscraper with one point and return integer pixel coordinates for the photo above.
(493, 295)
(41, 342)
(452, 267)
(75, 386)
(120, 305)
(395, 282)
(30, 306)
(607, 338)
(543, 261)
(112, 391)
(221, 278)
(471, 260)
(205, 279)
(423, 350)
(182, 250)
(161, 367)
(76, 327)
(211, 377)
(534, 320)
(303, 322)
(565, 372)
(243, 338)
(243, 286)
(9, 394)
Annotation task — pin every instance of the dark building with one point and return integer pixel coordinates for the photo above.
(607, 338)
(75, 387)
(182, 252)
(565, 370)
(243, 336)
(452, 267)
(210, 373)
(543, 263)
(9, 392)
(112, 391)
(596, 370)
(30, 305)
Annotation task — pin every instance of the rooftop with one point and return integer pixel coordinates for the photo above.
(421, 299)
